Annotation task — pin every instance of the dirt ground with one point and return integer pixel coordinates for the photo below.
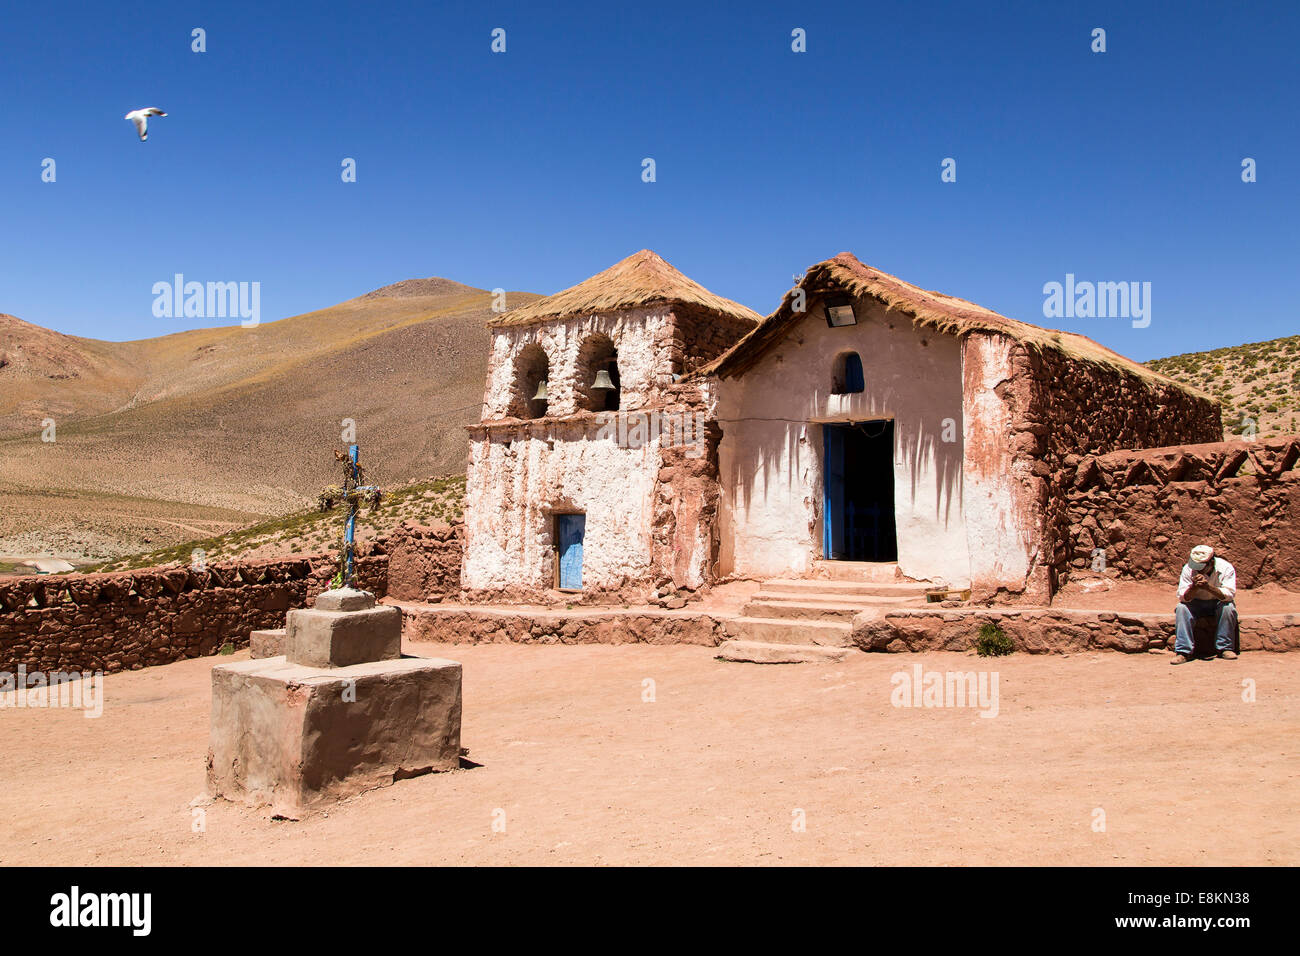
(714, 770)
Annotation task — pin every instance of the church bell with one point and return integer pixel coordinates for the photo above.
(603, 381)
(541, 391)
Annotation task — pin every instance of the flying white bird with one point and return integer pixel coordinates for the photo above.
(141, 120)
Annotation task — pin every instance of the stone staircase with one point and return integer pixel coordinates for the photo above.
(805, 619)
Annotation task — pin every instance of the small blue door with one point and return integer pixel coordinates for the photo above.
(833, 495)
(569, 531)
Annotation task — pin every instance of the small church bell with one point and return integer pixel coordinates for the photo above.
(541, 391)
(603, 381)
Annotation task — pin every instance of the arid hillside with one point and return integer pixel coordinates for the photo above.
(191, 435)
(1258, 382)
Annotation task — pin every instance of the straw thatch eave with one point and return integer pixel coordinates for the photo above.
(641, 280)
(927, 310)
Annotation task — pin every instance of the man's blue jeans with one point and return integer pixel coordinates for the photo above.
(1225, 624)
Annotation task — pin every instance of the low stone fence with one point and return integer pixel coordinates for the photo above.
(130, 619)
(1145, 510)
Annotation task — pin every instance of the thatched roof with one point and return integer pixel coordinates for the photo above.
(641, 279)
(929, 310)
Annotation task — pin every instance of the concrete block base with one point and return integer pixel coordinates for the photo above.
(294, 737)
(329, 638)
(268, 643)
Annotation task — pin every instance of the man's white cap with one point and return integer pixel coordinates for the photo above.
(1201, 555)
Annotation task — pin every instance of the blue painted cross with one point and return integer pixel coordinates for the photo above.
(352, 493)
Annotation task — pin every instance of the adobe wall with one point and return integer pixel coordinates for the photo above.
(644, 338)
(424, 561)
(1145, 510)
(771, 449)
(684, 540)
(1003, 494)
(649, 503)
(645, 479)
(1086, 409)
(131, 619)
(698, 338)
(1037, 413)
(521, 475)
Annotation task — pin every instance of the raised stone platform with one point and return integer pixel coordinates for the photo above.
(339, 713)
(1034, 630)
(1054, 630)
(483, 624)
(292, 737)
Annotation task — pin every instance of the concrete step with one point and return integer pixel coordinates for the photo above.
(786, 631)
(808, 610)
(818, 589)
(879, 571)
(758, 652)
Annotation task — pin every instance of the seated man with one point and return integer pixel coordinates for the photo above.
(1207, 588)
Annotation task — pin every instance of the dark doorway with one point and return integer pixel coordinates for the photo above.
(859, 493)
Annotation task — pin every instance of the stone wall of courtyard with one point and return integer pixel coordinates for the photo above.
(1066, 410)
(1143, 511)
(131, 619)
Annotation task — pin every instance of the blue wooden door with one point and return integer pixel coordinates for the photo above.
(833, 496)
(569, 530)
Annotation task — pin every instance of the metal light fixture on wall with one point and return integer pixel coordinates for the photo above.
(839, 312)
(541, 391)
(603, 381)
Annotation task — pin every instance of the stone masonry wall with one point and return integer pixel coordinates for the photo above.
(684, 535)
(1080, 408)
(696, 338)
(1145, 510)
(132, 619)
(424, 561)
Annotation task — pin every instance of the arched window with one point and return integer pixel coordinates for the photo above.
(532, 369)
(598, 385)
(847, 376)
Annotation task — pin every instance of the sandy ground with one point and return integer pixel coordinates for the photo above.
(583, 771)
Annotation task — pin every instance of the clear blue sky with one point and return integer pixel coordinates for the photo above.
(523, 169)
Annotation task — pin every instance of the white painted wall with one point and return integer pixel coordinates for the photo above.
(514, 489)
(638, 334)
(770, 455)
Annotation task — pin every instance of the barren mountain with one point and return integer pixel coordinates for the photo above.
(192, 434)
(47, 374)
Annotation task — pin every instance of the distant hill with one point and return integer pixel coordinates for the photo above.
(194, 434)
(1259, 381)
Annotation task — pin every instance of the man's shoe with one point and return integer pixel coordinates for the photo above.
(1180, 659)
(1227, 655)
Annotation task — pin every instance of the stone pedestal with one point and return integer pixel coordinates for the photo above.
(267, 643)
(340, 713)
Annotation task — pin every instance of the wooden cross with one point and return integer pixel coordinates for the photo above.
(352, 494)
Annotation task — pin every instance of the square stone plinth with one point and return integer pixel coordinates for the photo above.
(267, 643)
(327, 638)
(294, 737)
